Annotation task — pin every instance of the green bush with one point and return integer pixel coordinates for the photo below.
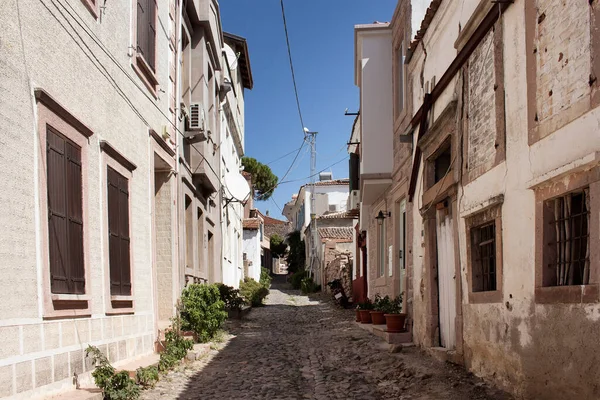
(297, 277)
(115, 386)
(146, 377)
(253, 292)
(176, 349)
(308, 286)
(265, 277)
(203, 310)
(231, 297)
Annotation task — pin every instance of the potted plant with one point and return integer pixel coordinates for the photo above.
(379, 306)
(364, 309)
(394, 317)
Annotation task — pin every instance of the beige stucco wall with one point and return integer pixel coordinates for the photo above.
(43, 46)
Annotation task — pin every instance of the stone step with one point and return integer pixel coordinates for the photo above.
(78, 394)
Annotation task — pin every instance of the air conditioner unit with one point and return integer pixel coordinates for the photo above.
(196, 121)
(354, 199)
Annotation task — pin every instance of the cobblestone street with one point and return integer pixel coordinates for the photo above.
(301, 348)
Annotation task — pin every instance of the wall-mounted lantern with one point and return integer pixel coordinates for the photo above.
(381, 216)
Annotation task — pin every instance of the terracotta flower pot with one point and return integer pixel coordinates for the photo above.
(377, 317)
(357, 315)
(365, 316)
(395, 322)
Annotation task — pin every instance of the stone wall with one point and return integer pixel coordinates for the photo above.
(562, 48)
(482, 104)
(338, 265)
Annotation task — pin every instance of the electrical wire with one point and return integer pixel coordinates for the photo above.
(95, 39)
(283, 156)
(315, 174)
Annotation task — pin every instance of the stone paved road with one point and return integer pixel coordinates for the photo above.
(297, 348)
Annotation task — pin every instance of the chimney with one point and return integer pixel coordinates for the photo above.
(267, 213)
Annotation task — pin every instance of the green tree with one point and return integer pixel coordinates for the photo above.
(278, 246)
(263, 179)
(296, 257)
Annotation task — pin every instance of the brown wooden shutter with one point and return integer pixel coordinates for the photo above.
(65, 215)
(141, 28)
(118, 233)
(151, 38)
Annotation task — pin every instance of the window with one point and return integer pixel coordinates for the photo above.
(484, 254)
(118, 233)
(146, 42)
(399, 80)
(567, 260)
(65, 214)
(381, 248)
(483, 239)
(442, 164)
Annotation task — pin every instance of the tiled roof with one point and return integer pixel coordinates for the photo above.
(433, 7)
(333, 182)
(340, 215)
(251, 223)
(338, 233)
(281, 230)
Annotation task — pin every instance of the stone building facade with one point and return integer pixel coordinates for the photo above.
(495, 153)
(101, 184)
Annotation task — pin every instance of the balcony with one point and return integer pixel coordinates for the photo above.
(201, 160)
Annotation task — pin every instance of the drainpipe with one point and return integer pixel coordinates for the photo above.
(177, 143)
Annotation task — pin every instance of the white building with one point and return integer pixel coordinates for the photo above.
(331, 195)
(238, 75)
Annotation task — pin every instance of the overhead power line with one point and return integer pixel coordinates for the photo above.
(315, 174)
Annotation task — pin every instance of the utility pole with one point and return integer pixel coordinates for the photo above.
(312, 141)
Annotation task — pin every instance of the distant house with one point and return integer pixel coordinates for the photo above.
(331, 195)
(273, 226)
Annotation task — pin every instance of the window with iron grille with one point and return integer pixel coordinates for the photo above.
(65, 214)
(568, 248)
(381, 249)
(118, 233)
(483, 253)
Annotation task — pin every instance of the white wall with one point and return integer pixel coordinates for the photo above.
(251, 246)
(376, 104)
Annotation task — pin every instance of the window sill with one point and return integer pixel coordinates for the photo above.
(68, 306)
(120, 305)
(494, 296)
(143, 70)
(70, 297)
(567, 294)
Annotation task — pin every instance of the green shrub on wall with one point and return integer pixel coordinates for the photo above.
(203, 310)
(308, 286)
(253, 292)
(265, 277)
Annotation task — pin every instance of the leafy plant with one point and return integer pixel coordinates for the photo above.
(297, 277)
(381, 303)
(366, 305)
(394, 306)
(265, 277)
(253, 292)
(146, 377)
(308, 286)
(203, 310)
(277, 245)
(176, 348)
(114, 385)
(231, 297)
(263, 179)
(296, 258)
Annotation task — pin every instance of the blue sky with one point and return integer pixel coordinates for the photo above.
(322, 41)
